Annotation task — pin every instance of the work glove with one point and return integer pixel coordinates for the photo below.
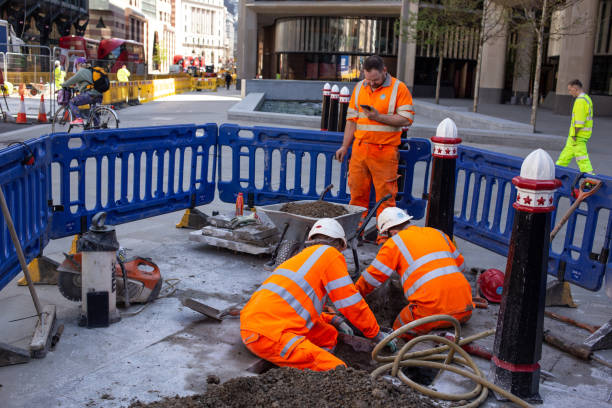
(381, 336)
(339, 323)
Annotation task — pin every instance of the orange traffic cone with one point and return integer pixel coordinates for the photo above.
(42, 113)
(21, 116)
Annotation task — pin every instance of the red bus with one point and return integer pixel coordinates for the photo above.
(73, 42)
(117, 52)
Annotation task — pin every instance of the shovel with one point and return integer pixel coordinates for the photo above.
(210, 311)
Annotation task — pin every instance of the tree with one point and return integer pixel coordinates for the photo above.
(437, 25)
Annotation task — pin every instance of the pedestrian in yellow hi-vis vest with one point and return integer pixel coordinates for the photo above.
(580, 131)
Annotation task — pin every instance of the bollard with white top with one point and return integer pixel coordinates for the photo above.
(334, 99)
(345, 97)
(518, 338)
(441, 202)
(325, 106)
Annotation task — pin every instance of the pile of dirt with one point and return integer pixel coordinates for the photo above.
(386, 302)
(289, 387)
(316, 209)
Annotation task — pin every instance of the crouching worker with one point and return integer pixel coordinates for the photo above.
(283, 321)
(430, 270)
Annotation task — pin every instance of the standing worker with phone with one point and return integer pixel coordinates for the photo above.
(379, 107)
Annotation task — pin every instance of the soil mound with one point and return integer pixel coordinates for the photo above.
(289, 387)
(316, 209)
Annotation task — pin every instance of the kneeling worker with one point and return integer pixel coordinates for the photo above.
(283, 321)
(430, 269)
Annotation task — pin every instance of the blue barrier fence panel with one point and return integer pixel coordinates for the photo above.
(131, 174)
(579, 253)
(274, 165)
(27, 189)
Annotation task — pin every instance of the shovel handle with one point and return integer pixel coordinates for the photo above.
(329, 187)
(582, 195)
(365, 221)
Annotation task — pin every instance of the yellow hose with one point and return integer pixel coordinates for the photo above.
(424, 358)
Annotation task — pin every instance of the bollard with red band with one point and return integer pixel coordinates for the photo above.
(441, 202)
(345, 97)
(518, 338)
(334, 100)
(325, 106)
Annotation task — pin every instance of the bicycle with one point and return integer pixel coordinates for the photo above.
(98, 117)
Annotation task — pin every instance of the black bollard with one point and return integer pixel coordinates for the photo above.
(345, 98)
(518, 338)
(334, 100)
(441, 203)
(325, 106)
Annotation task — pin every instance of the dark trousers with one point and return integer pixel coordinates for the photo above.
(84, 98)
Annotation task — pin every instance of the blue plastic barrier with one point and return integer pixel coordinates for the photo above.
(275, 165)
(485, 195)
(137, 172)
(27, 189)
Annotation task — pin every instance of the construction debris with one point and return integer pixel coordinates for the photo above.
(290, 387)
(316, 209)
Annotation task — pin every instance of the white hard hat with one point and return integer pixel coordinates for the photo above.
(57, 62)
(390, 217)
(328, 227)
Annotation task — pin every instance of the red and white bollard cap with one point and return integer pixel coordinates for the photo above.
(335, 92)
(326, 89)
(536, 186)
(446, 140)
(345, 95)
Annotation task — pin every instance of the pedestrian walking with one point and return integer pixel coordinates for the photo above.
(581, 127)
(228, 80)
(123, 75)
(379, 107)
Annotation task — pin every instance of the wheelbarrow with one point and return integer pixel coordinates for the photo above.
(294, 229)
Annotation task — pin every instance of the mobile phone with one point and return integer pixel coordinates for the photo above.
(366, 107)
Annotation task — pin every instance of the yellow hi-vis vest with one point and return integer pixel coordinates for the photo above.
(582, 117)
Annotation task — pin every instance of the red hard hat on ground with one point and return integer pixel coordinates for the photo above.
(491, 284)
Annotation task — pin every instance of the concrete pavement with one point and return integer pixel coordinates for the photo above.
(168, 349)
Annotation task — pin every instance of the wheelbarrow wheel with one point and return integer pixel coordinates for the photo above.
(286, 250)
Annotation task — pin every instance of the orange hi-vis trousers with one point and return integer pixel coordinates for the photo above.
(373, 163)
(311, 352)
(413, 312)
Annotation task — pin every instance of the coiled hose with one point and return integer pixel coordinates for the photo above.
(429, 358)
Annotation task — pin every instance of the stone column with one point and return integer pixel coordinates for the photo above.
(406, 52)
(493, 66)
(518, 338)
(441, 203)
(576, 57)
(247, 42)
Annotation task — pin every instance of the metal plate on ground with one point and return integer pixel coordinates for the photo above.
(228, 244)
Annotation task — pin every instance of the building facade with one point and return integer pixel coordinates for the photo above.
(328, 40)
(202, 31)
(161, 34)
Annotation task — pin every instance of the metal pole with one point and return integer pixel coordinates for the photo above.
(19, 250)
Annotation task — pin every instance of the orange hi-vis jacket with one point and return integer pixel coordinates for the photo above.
(429, 267)
(291, 299)
(393, 97)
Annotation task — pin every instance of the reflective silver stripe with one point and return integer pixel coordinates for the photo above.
(404, 108)
(378, 128)
(312, 259)
(436, 273)
(408, 115)
(289, 344)
(382, 267)
(349, 301)
(425, 259)
(582, 157)
(584, 129)
(399, 317)
(578, 122)
(445, 238)
(338, 283)
(402, 247)
(362, 115)
(370, 279)
(393, 99)
(291, 301)
(357, 89)
(351, 110)
(305, 286)
(351, 115)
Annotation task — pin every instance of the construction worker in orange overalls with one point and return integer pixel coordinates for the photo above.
(379, 107)
(430, 270)
(283, 321)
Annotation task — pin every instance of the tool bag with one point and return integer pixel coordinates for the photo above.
(101, 82)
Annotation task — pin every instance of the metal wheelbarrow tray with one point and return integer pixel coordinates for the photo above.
(294, 228)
